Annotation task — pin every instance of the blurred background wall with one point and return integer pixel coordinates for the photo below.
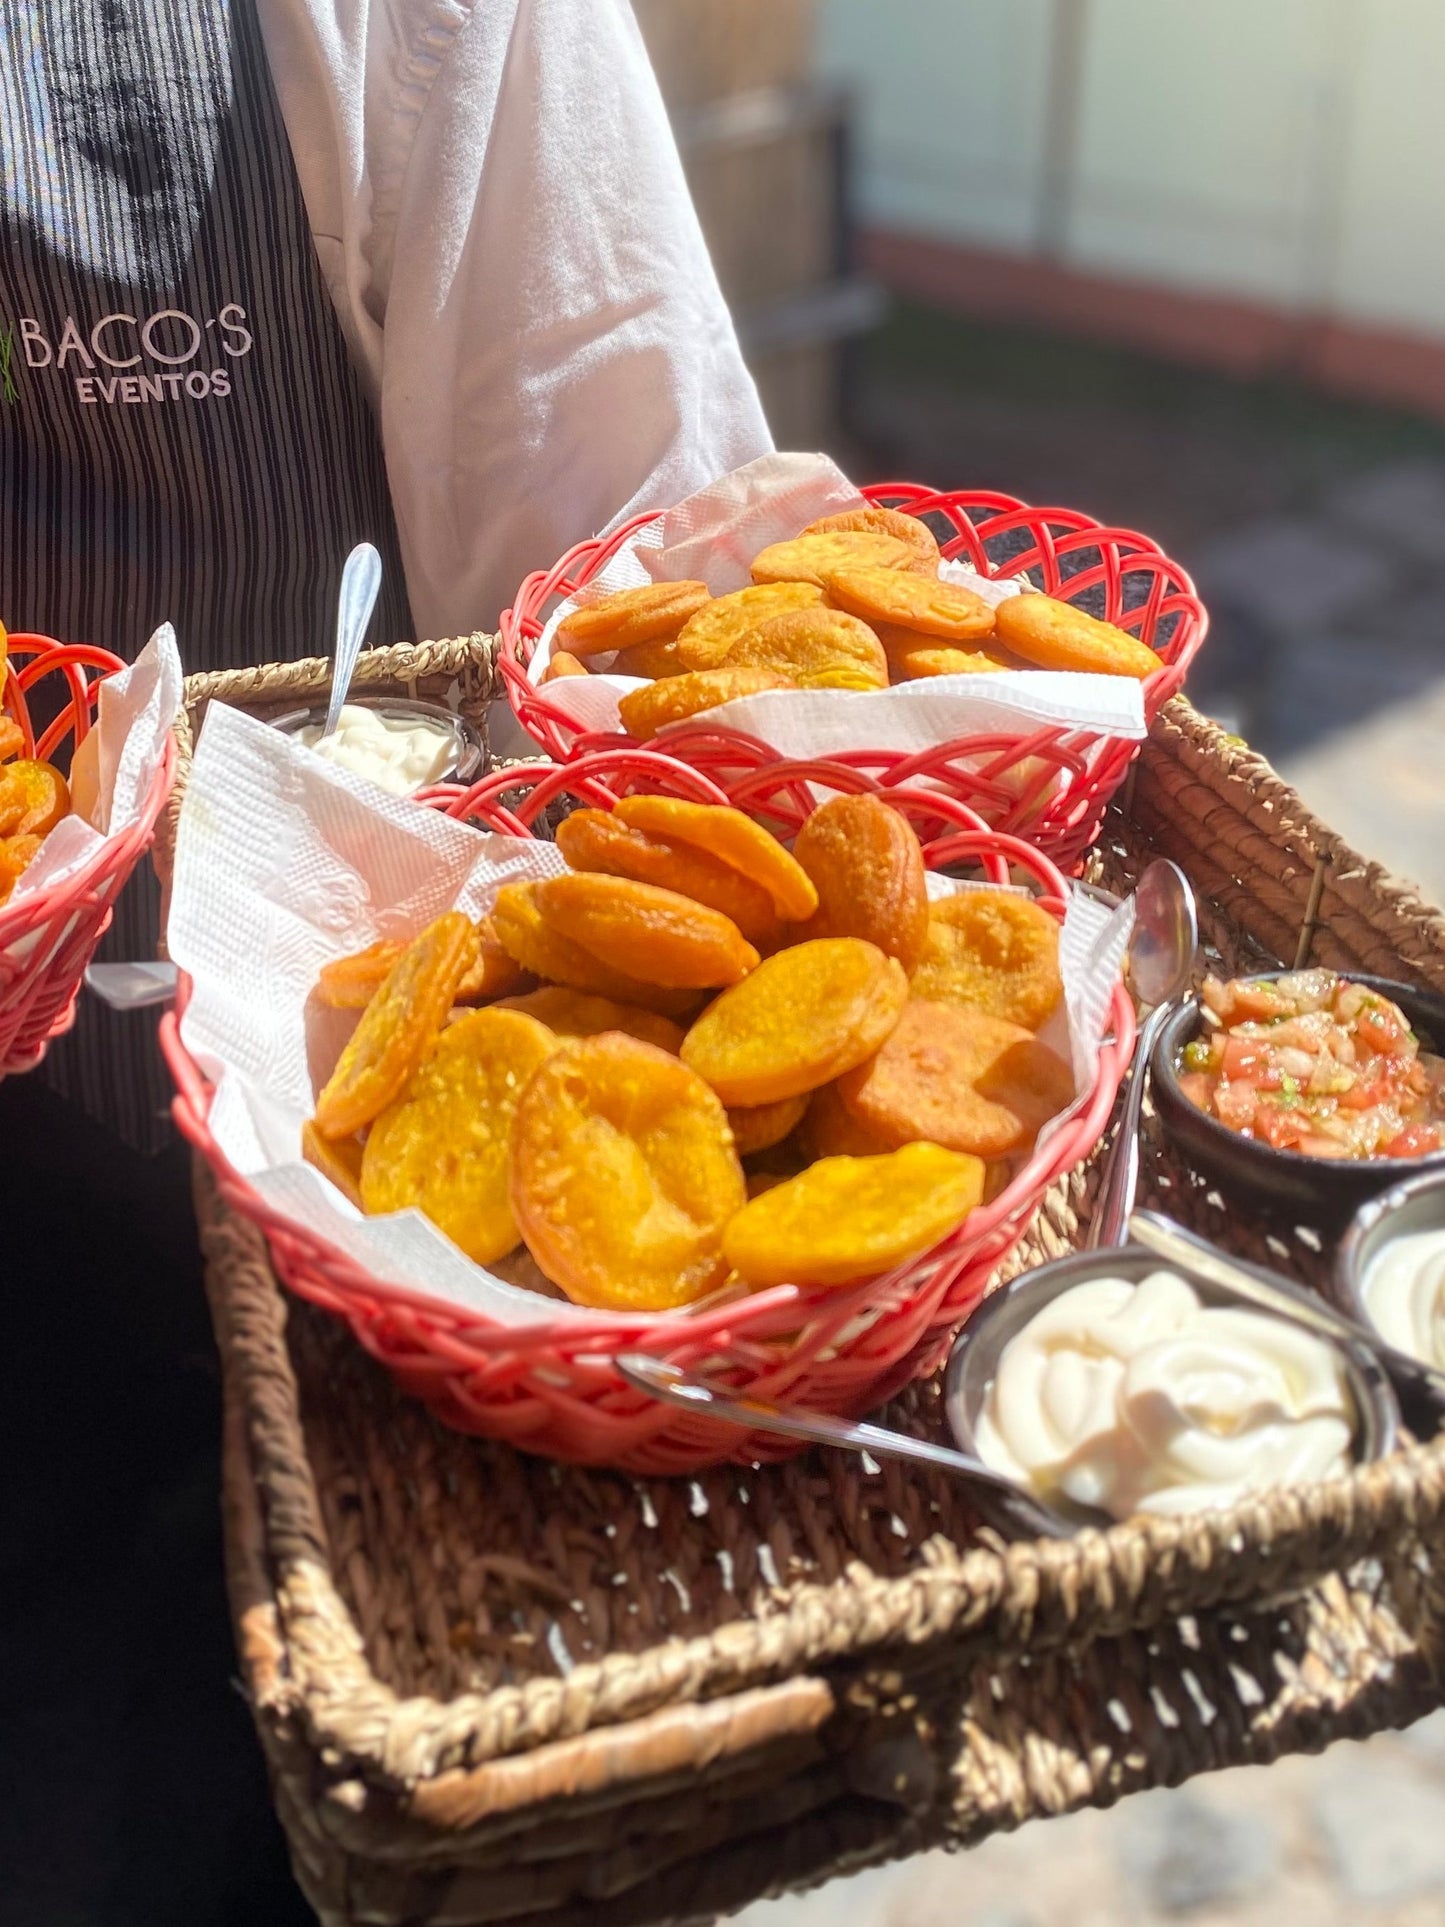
(1248, 185)
(1178, 263)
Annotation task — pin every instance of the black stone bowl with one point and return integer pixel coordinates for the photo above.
(1286, 1185)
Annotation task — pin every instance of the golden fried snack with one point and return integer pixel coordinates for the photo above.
(654, 935)
(758, 1127)
(12, 736)
(830, 1129)
(540, 947)
(816, 648)
(17, 853)
(867, 867)
(33, 798)
(340, 1161)
(912, 656)
(709, 636)
(349, 983)
(398, 1025)
(732, 838)
(576, 1013)
(445, 1145)
(847, 1218)
(919, 602)
(992, 950)
(958, 1078)
(1055, 635)
(624, 1175)
(800, 1019)
(654, 613)
(645, 711)
(563, 664)
(813, 558)
(496, 971)
(871, 521)
(652, 660)
(602, 840)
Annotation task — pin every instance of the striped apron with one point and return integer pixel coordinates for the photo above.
(182, 434)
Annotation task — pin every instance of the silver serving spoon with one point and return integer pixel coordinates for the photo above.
(1001, 1503)
(360, 586)
(143, 986)
(1161, 964)
(1414, 1380)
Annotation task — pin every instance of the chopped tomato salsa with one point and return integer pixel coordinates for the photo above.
(1310, 1062)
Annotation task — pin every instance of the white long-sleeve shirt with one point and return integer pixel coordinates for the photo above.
(504, 227)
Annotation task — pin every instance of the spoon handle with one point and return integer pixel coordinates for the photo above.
(1172, 1242)
(360, 586)
(1109, 1227)
(1005, 1506)
(1411, 1377)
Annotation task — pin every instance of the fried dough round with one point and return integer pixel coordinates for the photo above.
(1056, 635)
(624, 1175)
(817, 648)
(867, 866)
(958, 1078)
(992, 950)
(801, 1018)
(653, 613)
(646, 711)
(845, 1218)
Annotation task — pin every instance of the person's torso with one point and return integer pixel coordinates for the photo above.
(182, 434)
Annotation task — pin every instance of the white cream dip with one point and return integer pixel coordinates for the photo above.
(1403, 1293)
(400, 753)
(1139, 1398)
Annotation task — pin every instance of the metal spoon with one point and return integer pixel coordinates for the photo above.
(1419, 1384)
(1161, 963)
(1002, 1504)
(360, 586)
(142, 986)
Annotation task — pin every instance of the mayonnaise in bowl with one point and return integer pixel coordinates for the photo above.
(398, 743)
(1403, 1294)
(1133, 1395)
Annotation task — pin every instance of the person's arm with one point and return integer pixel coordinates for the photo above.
(503, 221)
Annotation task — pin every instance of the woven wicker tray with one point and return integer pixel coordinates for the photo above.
(493, 1689)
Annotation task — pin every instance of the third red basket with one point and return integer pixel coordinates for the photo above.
(551, 1386)
(48, 937)
(1047, 785)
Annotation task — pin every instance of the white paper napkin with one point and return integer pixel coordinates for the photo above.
(135, 711)
(713, 536)
(284, 862)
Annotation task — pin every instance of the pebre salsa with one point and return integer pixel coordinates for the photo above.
(1313, 1063)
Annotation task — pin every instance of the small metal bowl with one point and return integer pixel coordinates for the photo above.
(1413, 1204)
(468, 757)
(973, 1363)
(1284, 1184)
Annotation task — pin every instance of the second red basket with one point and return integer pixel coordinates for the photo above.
(1048, 785)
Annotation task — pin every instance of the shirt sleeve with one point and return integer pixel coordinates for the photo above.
(504, 225)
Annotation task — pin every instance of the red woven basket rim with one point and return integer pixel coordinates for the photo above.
(521, 623)
(762, 1314)
(19, 920)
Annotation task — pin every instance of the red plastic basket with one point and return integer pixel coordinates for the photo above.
(552, 1387)
(48, 938)
(1010, 780)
